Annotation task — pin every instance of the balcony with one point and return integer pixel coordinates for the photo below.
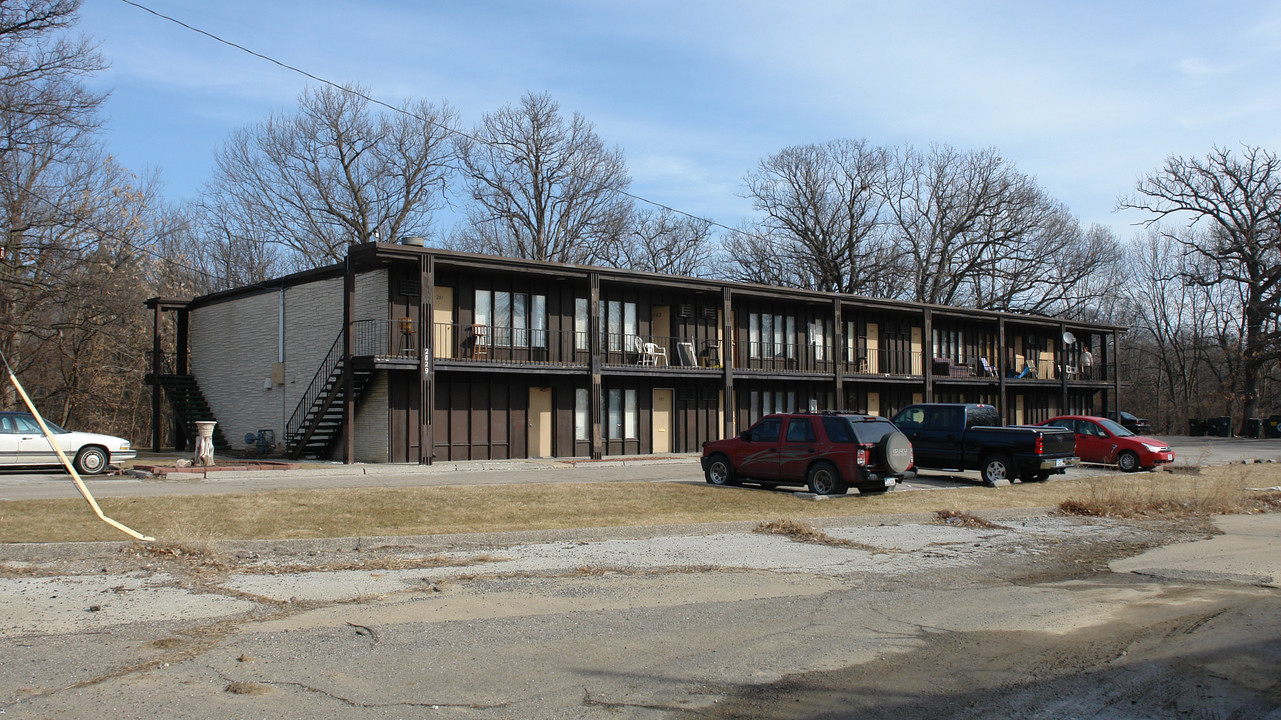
(488, 344)
(659, 352)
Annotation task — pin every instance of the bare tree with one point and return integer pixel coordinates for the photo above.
(971, 230)
(821, 212)
(1231, 208)
(542, 187)
(332, 174)
(661, 241)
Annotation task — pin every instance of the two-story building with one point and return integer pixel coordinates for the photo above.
(413, 354)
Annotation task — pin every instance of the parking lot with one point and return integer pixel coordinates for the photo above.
(18, 485)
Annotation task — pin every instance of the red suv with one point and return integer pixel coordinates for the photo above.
(829, 452)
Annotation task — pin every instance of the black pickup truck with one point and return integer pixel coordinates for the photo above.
(957, 436)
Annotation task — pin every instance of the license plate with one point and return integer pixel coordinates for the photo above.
(889, 482)
(1060, 462)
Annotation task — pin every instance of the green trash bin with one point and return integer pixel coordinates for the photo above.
(1254, 428)
(1221, 426)
(1272, 427)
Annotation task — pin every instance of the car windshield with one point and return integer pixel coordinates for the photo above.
(26, 424)
(1114, 427)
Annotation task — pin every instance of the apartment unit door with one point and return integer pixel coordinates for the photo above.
(539, 442)
(662, 420)
(444, 335)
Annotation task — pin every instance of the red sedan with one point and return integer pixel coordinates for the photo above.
(1100, 440)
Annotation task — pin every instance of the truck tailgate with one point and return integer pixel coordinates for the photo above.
(1058, 441)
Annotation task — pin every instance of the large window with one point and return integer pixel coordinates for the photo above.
(771, 336)
(620, 414)
(580, 324)
(516, 319)
(581, 420)
(618, 325)
(818, 339)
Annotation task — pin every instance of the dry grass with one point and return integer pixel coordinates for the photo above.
(962, 518)
(1217, 491)
(806, 533)
(193, 525)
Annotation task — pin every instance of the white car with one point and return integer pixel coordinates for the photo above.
(22, 444)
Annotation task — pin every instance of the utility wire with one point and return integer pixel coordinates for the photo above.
(393, 108)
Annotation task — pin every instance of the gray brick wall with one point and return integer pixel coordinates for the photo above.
(234, 345)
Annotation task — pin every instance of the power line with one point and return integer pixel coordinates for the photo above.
(393, 108)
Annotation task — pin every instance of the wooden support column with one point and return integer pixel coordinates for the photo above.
(1062, 363)
(1000, 367)
(838, 354)
(594, 392)
(155, 379)
(927, 352)
(1111, 361)
(348, 377)
(729, 357)
(182, 368)
(426, 357)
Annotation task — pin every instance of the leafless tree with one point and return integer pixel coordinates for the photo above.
(542, 187)
(332, 174)
(971, 230)
(660, 241)
(821, 212)
(1230, 209)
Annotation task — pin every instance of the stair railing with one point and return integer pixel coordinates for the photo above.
(320, 380)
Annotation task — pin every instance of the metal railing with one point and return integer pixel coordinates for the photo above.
(659, 351)
(520, 346)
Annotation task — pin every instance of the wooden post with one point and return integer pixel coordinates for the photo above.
(155, 380)
(427, 357)
(927, 354)
(728, 358)
(838, 353)
(1000, 366)
(595, 391)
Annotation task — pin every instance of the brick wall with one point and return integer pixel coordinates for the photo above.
(234, 344)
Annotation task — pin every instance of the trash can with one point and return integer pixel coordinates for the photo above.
(1222, 426)
(1196, 427)
(1254, 428)
(1272, 427)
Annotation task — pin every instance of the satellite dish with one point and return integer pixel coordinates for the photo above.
(1068, 337)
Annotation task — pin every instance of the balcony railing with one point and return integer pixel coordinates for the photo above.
(385, 338)
(1020, 367)
(884, 361)
(520, 346)
(659, 351)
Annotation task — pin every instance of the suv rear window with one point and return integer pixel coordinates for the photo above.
(872, 430)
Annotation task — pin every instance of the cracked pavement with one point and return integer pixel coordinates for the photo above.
(708, 621)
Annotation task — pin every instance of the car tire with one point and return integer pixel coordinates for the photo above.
(91, 460)
(825, 479)
(896, 452)
(996, 468)
(720, 471)
(1128, 461)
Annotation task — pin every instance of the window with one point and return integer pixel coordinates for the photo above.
(838, 429)
(618, 325)
(518, 319)
(800, 430)
(581, 421)
(818, 340)
(771, 336)
(766, 430)
(580, 324)
(620, 413)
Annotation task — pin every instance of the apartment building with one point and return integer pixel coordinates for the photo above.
(411, 354)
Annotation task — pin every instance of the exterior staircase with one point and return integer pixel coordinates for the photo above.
(317, 421)
(189, 406)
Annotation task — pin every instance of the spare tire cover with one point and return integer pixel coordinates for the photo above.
(896, 452)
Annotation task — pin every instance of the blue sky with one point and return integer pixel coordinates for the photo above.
(1085, 96)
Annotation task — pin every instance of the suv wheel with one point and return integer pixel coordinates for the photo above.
(825, 479)
(719, 471)
(1128, 461)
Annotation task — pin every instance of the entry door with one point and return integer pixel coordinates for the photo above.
(663, 420)
(442, 315)
(540, 422)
